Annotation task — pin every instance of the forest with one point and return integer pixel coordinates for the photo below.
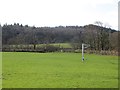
(97, 36)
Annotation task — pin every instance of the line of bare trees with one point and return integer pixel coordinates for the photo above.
(98, 36)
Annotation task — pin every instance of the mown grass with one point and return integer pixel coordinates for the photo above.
(62, 45)
(59, 70)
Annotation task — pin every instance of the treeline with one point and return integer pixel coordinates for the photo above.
(98, 37)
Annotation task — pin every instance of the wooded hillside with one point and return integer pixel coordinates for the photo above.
(99, 38)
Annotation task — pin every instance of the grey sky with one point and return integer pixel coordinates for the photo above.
(59, 12)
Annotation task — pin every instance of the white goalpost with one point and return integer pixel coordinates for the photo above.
(82, 52)
(84, 46)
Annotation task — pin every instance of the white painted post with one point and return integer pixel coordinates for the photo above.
(82, 52)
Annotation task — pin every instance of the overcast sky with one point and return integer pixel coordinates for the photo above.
(59, 12)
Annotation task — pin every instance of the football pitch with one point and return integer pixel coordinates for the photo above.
(58, 70)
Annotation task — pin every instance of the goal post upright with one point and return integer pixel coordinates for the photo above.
(82, 52)
(83, 47)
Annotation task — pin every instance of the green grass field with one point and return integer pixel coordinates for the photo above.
(59, 70)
